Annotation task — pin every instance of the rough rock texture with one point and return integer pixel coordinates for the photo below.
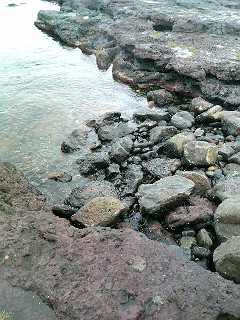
(164, 194)
(182, 120)
(187, 47)
(161, 168)
(91, 162)
(75, 141)
(175, 145)
(227, 218)
(202, 183)
(102, 212)
(85, 193)
(98, 273)
(226, 189)
(227, 259)
(231, 122)
(200, 153)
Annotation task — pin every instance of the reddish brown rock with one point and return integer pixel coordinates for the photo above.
(98, 273)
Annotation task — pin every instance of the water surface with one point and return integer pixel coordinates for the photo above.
(47, 90)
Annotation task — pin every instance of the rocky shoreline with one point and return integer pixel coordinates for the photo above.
(154, 227)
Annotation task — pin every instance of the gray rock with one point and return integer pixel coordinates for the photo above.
(199, 105)
(231, 168)
(88, 191)
(202, 183)
(91, 162)
(227, 218)
(110, 132)
(160, 97)
(235, 158)
(175, 145)
(132, 178)
(182, 120)
(161, 168)
(75, 141)
(153, 115)
(200, 153)
(201, 253)
(213, 114)
(113, 170)
(227, 149)
(101, 211)
(164, 194)
(227, 259)
(226, 189)
(187, 242)
(121, 149)
(231, 122)
(62, 177)
(203, 239)
(184, 252)
(161, 133)
(109, 118)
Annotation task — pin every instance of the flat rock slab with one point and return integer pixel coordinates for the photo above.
(99, 273)
(164, 194)
(18, 304)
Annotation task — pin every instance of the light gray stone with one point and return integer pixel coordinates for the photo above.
(199, 105)
(164, 194)
(227, 259)
(161, 133)
(121, 149)
(231, 122)
(182, 120)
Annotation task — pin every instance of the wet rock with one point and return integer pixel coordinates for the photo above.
(227, 218)
(121, 149)
(88, 191)
(91, 162)
(155, 231)
(199, 211)
(110, 132)
(44, 254)
(64, 211)
(62, 177)
(182, 120)
(132, 178)
(201, 253)
(75, 141)
(183, 252)
(199, 105)
(102, 211)
(175, 145)
(231, 122)
(161, 133)
(200, 153)
(203, 239)
(235, 158)
(226, 189)
(202, 183)
(109, 118)
(213, 114)
(151, 115)
(227, 259)
(161, 168)
(160, 97)
(164, 194)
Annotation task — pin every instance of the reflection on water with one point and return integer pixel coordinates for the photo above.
(47, 90)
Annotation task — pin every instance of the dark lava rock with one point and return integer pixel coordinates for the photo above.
(121, 149)
(132, 178)
(153, 115)
(110, 132)
(182, 120)
(161, 168)
(164, 194)
(161, 97)
(226, 189)
(162, 133)
(71, 268)
(200, 153)
(86, 192)
(64, 211)
(75, 141)
(175, 145)
(199, 105)
(202, 183)
(109, 118)
(91, 162)
(231, 122)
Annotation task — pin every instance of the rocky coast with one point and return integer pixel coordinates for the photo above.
(153, 229)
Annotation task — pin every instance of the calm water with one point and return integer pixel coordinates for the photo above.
(47, 90)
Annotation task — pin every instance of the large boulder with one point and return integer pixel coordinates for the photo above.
(227, 218)
(227, 259)
(102, 212)
(164, 194)
(97, 273)
(200, 153)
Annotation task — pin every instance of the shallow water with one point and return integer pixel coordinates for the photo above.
(48, 90)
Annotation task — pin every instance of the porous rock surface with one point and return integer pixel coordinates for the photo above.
(186, 47)
(98, 273)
